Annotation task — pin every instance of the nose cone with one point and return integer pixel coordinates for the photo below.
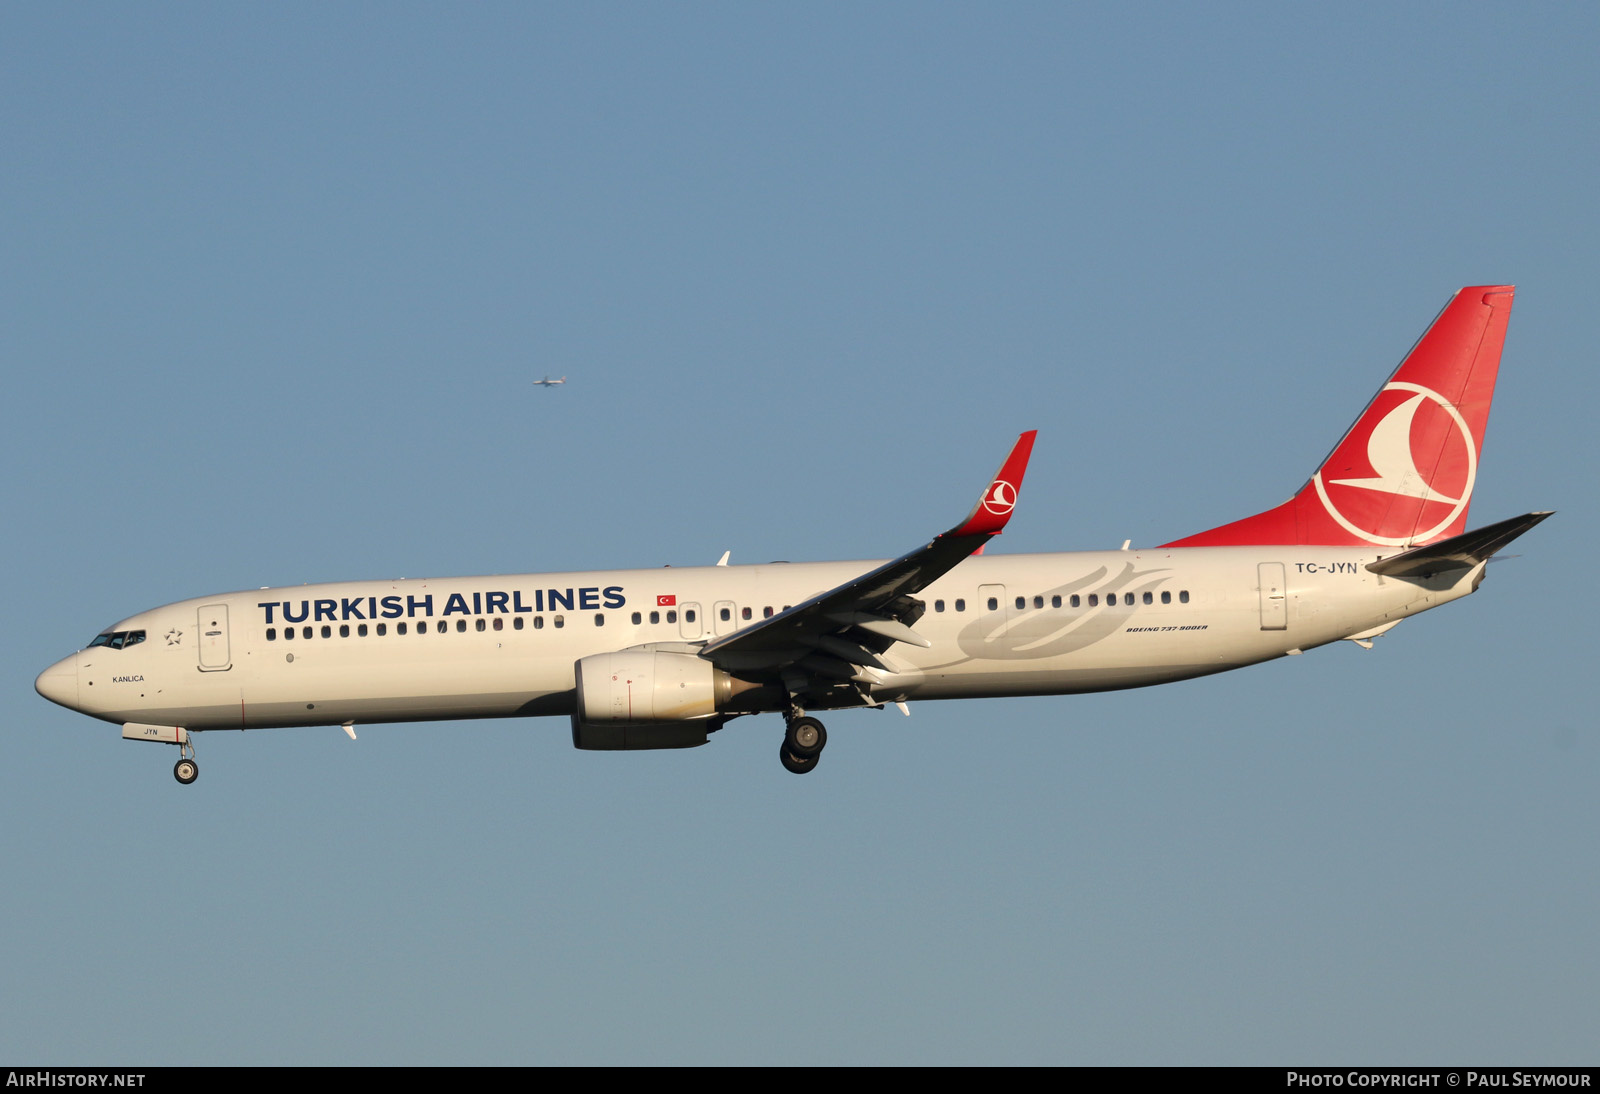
(59, 682)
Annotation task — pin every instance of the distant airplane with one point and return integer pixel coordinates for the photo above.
(641, 659)
(547, 382)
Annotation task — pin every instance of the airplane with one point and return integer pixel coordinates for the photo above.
(547, 382)
(664, 658)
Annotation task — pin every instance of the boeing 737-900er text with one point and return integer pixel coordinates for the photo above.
(662, 658)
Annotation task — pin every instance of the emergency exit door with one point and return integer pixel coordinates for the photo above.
(1274, 596)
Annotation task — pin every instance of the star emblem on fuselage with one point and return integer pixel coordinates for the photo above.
(174, 636)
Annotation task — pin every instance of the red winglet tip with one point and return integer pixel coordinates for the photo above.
(994, 507)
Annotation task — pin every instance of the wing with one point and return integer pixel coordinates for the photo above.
(837, 637)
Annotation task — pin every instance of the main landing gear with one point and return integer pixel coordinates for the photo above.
(803, 742)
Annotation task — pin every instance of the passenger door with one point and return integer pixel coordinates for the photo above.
(212, 626)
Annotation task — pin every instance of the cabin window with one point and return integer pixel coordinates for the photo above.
(344, 630)
(499, 624)
(1038, 602)
(637, 619)
(672, 617)
(938, 605)
(272, 634)
(961, 605)
(560, 621)
(444, 626)
(1183, 596)
(599, 619)
(688, 615)
(724, 614)
(383, 629)
(1094, 600)
(461, 626)
(327, 631)
(538, 622)
(744, 613)
(1055, 602)
(481, 624)
(766, 613)
(1149, 598)
(361, 630)
(1166, 598)
(655, 617)
(994, 604)
(516, 624)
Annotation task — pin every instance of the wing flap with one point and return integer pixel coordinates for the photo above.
(884, 627)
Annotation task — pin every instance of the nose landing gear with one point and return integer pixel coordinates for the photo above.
(186, 770)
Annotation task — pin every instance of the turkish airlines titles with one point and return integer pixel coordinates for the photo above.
(330, 609)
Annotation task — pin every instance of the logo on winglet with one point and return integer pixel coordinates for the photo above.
(1000, 499)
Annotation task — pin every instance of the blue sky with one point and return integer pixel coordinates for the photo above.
(274, 282)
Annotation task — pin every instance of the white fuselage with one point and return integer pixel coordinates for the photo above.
(407, 650)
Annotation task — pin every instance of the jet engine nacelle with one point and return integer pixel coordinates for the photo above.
(625, 736)
(647, 699)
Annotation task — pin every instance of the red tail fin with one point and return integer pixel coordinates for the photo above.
(1404, 472)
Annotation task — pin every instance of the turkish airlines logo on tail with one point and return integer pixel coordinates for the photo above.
(1001, 498)
(1423, 464)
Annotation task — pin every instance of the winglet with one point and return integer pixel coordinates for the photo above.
(994, 508)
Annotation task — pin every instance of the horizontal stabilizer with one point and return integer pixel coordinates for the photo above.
(1458, 552)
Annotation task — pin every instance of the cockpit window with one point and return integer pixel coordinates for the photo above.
(117, 640)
